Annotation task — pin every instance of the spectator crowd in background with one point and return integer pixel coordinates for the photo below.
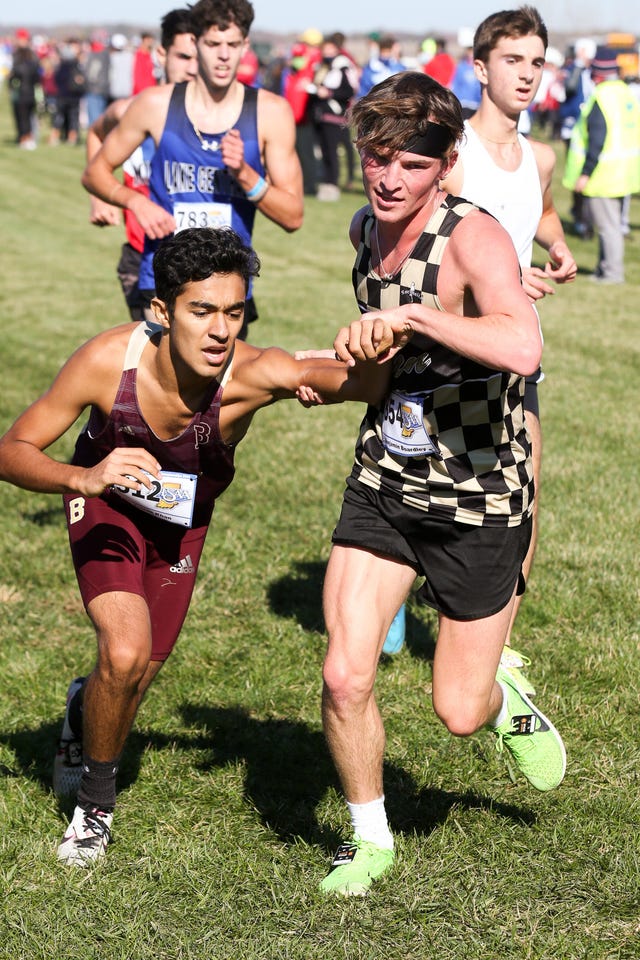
(229, 151)
(58, 89)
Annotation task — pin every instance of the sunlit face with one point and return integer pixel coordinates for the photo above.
(513, 72)
(206, 320)
(180, 61)
(219, 54)
(399, 187)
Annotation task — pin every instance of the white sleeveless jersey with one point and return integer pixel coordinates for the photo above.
(513, 197)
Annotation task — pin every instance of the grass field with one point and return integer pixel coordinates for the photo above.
(228, 806)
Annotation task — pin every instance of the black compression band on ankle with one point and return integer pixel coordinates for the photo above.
(98, 784)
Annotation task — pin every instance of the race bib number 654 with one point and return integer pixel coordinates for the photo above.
(403, 430)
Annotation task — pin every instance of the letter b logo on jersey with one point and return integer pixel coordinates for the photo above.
(202, 433)
(76, 509)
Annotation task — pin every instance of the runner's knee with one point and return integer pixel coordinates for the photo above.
(123, 664)
(462, 716)
(348, 679)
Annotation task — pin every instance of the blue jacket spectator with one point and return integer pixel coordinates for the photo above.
(381, 66)
(466, 85)
(578, 84)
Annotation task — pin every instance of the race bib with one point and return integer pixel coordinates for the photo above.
(171, 498)
(210, 214)
(403, 430)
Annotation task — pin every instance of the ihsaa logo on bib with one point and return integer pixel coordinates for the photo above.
(171, 498)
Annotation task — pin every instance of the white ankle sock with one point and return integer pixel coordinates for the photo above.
(502, 713)
(369, 821)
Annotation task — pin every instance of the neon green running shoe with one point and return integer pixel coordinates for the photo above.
(531, 739)
(355, 866)
(513, 662)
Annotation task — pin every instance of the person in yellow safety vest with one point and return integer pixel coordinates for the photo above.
(603, 161)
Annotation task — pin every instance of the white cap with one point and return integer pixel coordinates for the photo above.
(554, 56)
(119, 41)
(586, 46)
(465, 37)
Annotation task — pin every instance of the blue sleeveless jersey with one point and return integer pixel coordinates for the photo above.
(189, 179)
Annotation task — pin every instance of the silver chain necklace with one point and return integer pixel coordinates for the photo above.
(381, 271)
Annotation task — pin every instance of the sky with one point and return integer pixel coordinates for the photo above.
(286, 16)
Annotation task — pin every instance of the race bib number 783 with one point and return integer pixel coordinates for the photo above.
(188, 215)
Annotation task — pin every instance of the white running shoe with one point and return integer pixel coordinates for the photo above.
(67, 766)
(87, 837)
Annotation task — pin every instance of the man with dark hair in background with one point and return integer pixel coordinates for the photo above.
(223, 150)
(178, 59)
(24, 78)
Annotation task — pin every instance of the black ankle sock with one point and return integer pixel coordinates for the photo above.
(98, 784)
(75, 712)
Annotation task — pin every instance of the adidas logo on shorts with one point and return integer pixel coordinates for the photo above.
(183, 566)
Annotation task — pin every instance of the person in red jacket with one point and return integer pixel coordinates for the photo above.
(177, 57)
(442, 66)
(144, 70)
(249, 69)
(305, 56)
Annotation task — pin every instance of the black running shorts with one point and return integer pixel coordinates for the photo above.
(470, 571)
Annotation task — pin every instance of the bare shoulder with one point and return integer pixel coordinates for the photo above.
(273, 111)
(102, 356)
(355, 227)
(477, 237)
(258, 377)
(91, 375)
(545, 158)
(160, 94)
(476, 221)
(480, 273)
(245, 357)
(105, 352)
(144, 115)
(244, 353)
(116, 110)
(145, 107)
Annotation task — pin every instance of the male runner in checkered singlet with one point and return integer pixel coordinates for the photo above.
(442, 482)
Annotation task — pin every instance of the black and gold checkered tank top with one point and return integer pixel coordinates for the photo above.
(479, 469)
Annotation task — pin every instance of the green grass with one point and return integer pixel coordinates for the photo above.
(228, 806)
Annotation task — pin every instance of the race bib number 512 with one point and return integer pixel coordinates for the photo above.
(170, 498)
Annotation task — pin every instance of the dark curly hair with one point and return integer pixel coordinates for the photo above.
(221, 14)
(174, 23)
(197, 254)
